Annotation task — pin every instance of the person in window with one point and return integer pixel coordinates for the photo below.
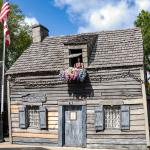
(77, 67)
(78, 64)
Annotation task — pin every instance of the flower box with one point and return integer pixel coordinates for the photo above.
(73, 74)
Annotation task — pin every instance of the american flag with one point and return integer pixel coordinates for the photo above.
(3, 18)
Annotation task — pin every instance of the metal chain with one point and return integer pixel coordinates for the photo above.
(117, 76)
(99, 78)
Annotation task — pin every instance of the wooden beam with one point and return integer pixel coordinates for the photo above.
(49, 131)
(52, 114)
(9, 115)
(84, 126)
(145, 107)
(36, 135)
(115, 102)
(72, 102)
(14, 110)
(61, 129)
(133, 101)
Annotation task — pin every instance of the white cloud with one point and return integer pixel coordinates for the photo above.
(94, 15)
(31, 21)
(105, 18)
(143, 4)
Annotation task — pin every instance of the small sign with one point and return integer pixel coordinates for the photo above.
(73, 115)
(34, 98)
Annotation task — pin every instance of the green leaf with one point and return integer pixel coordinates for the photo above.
(143, 21)
(19, 34)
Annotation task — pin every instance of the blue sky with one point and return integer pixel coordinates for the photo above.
(55, 19)
(75, 16)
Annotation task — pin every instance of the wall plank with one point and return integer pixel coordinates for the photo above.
(34, 135)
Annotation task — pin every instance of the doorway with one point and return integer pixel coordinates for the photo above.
(72, 126)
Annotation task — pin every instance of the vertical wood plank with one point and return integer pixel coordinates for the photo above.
(61, 127)
(84, 126)
(9, 113)
(145, 106)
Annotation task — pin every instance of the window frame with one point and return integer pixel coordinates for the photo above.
(75, 51)
(84, 48)
(119, 119)
(28, 119)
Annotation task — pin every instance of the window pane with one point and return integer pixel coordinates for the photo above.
(33, 116)
(73, 115)
(112, 117)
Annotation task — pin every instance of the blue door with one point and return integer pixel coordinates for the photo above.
(73, 126)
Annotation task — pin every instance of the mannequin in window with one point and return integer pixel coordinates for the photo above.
(78, 64)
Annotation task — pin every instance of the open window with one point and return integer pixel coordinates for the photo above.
(74, 55)
(75, 63)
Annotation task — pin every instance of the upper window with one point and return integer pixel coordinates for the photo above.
(75, 58)
(112, 117)
(33, 116)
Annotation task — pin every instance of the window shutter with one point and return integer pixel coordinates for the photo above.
(125, 117)
(43, 117)
(99, 118)
(23, 118)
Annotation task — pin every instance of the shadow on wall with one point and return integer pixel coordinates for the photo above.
(80, 90)
(148, 106)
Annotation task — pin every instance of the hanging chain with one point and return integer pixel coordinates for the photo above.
(116, 76)
(99, 78)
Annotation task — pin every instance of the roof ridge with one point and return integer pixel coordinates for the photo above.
(91, 33)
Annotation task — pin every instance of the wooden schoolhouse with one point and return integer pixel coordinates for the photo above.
(82, 90)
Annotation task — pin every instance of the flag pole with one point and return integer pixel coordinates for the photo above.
(3, 73)
(2, 86)
(3, 76)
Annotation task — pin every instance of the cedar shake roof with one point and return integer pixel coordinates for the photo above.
(111, 49)
(81, 39)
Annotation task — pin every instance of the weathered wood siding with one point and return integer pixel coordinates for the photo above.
(112, 91)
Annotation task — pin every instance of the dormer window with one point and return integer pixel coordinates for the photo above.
(75, 63)
(76, 55)
(79, 47)
(77, 50)
(75, 58)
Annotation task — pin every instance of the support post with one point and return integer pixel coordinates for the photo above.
(9, 112)
(145, 107)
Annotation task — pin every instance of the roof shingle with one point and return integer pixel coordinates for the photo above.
(111, 49)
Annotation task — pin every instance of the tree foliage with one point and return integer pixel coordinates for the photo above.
(143, 21)
(19, 34)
